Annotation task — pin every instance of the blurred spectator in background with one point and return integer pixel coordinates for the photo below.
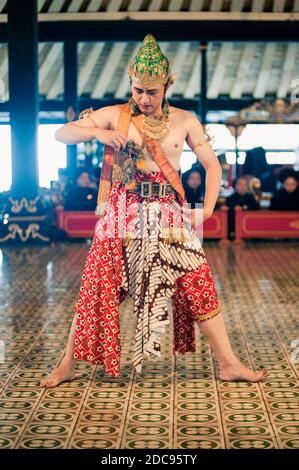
(270, 179)
(255, 162)
(241, 198)
(63, 179)
(96, 177)
(59, 187)
(287, 197)
(192, 182)
(81, 196)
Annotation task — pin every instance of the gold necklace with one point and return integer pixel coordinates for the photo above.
(155, 128)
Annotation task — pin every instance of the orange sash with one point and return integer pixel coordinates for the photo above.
(111, 161)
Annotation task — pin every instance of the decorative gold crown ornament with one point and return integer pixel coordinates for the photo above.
(150, 64)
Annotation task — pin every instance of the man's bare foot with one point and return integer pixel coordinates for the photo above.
(238, 371)
(63, 373)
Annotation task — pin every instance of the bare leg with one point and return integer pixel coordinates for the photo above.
(66, 369)
(230, 366)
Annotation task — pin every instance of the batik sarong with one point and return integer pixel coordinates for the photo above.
(133, 254)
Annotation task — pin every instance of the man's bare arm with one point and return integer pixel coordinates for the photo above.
(97, 126)
(197, 141)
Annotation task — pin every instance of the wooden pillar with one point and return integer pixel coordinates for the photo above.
(26, 218)
(203, 83)
(70, 96)
(23, 96)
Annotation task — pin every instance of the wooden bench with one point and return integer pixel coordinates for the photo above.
(266, 224)
(81, 224)
(76, 224)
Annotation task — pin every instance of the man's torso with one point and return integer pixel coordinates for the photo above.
(172, 144)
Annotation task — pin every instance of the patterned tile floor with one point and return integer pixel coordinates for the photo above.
(177, 403)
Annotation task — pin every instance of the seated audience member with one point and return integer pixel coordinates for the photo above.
(287, 197)
(81, 196)
(270, 178)
(192, 182)
(241, 198)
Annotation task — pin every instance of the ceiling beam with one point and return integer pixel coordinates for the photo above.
(155, 5)
(94, 5)
(114, 5)
(124, 84)
(75, 5)
(170, 15)
(287, 69)
(196, 5)
(55, 6)
(50, 59)
(216, 81)
(244, 65)
(90, 62)
(193, 85)
(278, 6)
(265, 71)
(57, 82)
(3, 73)
(56, 87)
(175, 5)
(135, 5)
(182, 31)
(216, 5)
(167, 16)
(258, 5)
(40, 4)
(108, 70)
(177, 65)
(220, 104)
(237, 5)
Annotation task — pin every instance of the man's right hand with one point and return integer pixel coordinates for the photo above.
(114, 139)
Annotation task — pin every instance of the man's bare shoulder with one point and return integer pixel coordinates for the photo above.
(107, 116)
(181, 114)
(112, 110)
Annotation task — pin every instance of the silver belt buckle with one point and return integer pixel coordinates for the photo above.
(162, 189)
(146, 189)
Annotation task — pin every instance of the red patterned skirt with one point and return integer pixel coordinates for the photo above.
(132, 254)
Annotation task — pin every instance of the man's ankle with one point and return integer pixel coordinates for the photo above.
(228, 362)
(69, 360)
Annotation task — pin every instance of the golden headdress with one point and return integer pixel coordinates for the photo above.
(150, 64)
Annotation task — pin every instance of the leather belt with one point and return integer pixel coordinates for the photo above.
(152, 189)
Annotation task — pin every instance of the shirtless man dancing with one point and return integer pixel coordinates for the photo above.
(159, 132)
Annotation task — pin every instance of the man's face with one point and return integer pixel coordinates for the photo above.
(290, 184)
(83, 180)
(241, 186)
(149, 98)
(194, 180)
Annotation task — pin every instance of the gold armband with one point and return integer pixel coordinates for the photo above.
(200, 144)
(85, 114)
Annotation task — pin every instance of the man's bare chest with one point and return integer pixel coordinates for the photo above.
(172, 143)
